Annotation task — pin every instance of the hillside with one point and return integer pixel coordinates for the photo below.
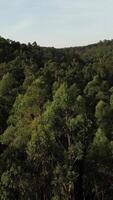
(56, 122)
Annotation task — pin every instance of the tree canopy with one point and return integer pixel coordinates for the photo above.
(56, 122)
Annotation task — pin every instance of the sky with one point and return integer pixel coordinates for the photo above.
(58, 23)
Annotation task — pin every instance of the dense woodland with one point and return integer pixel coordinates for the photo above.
(56, 122)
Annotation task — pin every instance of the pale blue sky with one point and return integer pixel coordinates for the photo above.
(57, 23)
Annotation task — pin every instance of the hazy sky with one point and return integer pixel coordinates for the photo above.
(57, 23)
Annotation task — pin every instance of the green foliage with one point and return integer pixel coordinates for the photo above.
(56, 122)
(101, 144)
(102, 110)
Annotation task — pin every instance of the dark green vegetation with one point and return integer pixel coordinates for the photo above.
(56, 122)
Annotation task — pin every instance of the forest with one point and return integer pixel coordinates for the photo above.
(56, 122)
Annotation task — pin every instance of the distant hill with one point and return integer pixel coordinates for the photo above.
(56, 122)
